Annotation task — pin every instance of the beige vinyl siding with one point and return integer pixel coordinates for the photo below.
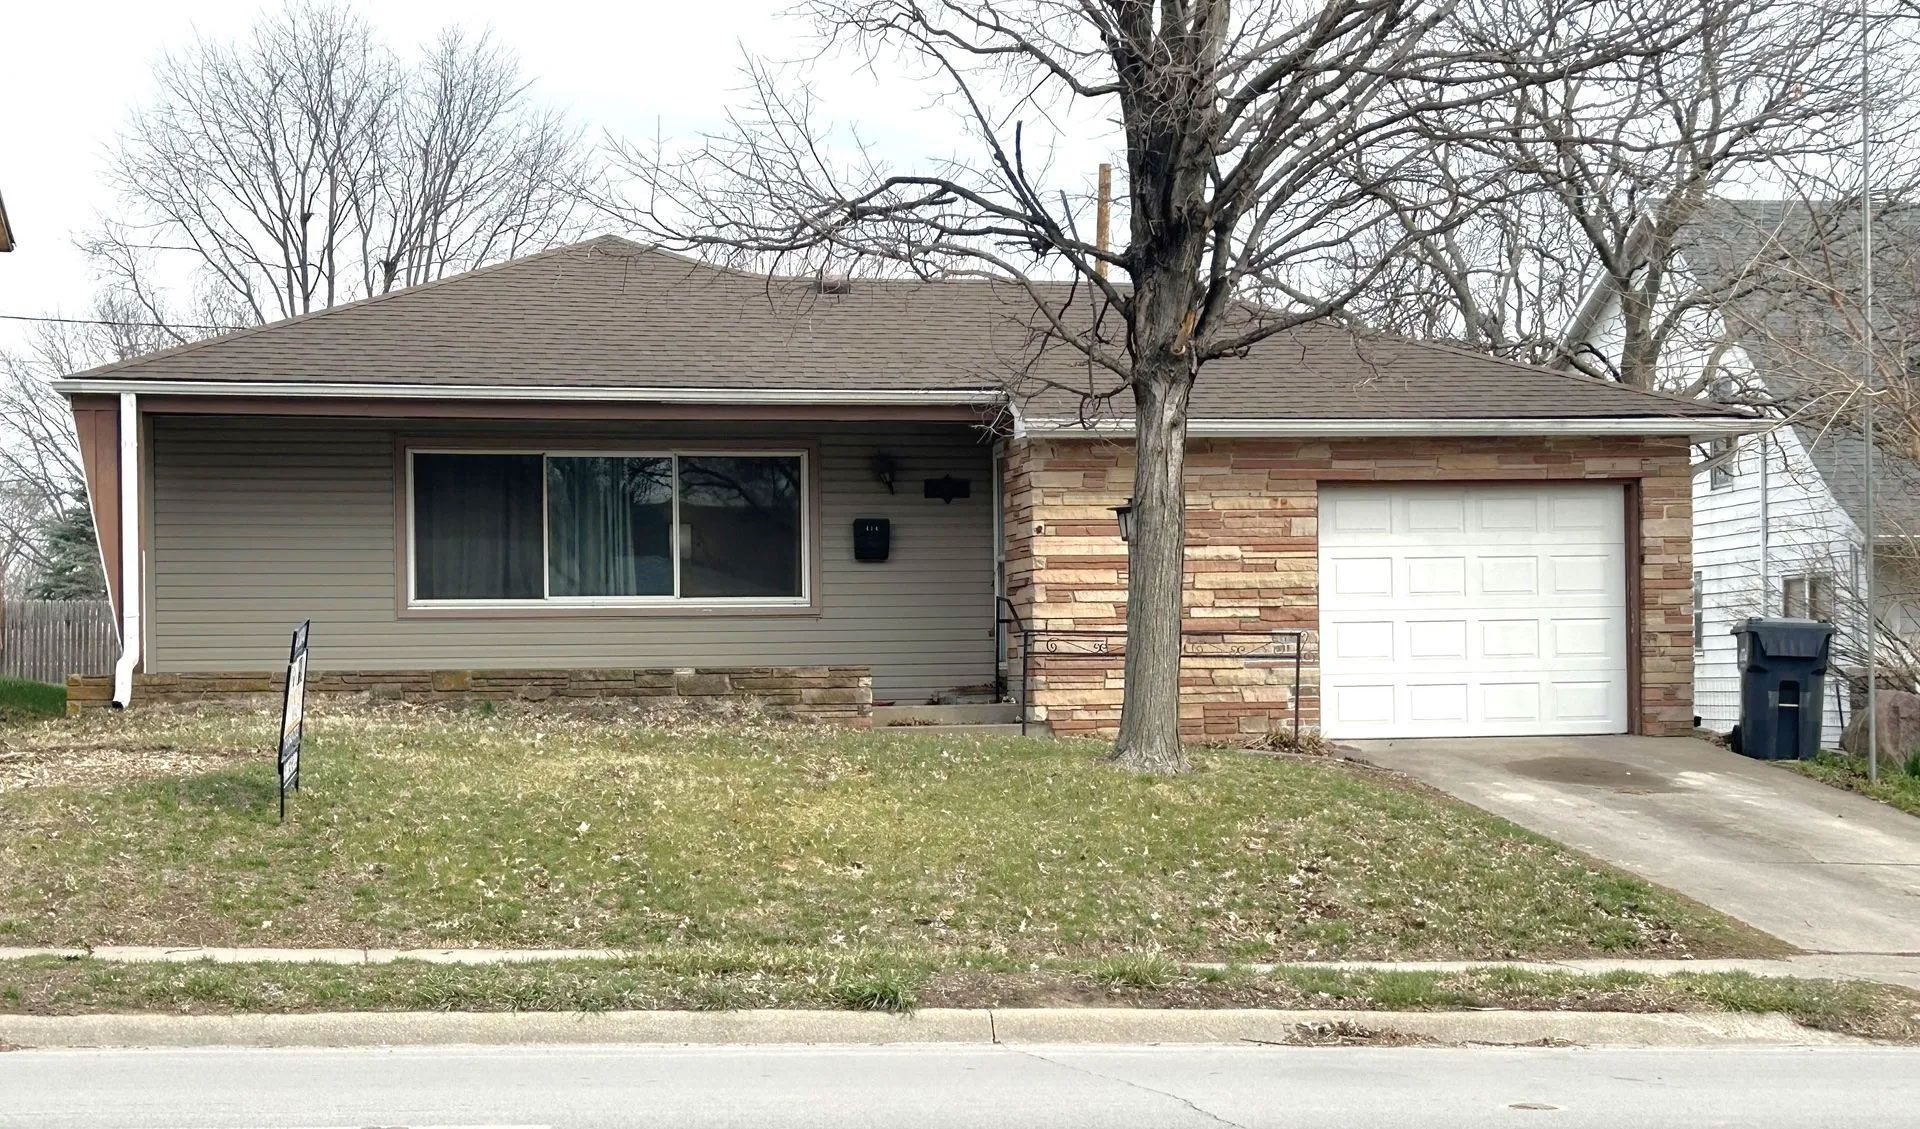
(259, 523)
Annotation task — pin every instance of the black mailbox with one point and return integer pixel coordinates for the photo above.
(872, 538)
(1783, 673)
(946, 488)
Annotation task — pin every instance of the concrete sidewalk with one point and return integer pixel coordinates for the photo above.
(1903, 971)
(1824, 870)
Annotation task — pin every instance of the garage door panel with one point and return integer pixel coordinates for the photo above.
(1587, 701)
(1594, 573)
(1361, 642)
(1510, 639)
(1364, 705)
(1509, 576)
(1569, 512)
(1357, 515)
(1449, 611)
(1510, 702)
(1357, 578)
(1585, 638)
(1436, 639)
(1435, 576)
(1443, 702)
(1507, 513)
(1437, 513)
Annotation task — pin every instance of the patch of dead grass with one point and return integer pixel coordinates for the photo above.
(108, 764)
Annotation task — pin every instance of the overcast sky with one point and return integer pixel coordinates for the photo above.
(74, 68)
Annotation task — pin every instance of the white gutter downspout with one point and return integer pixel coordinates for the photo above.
(131, 582)
(1766, 527)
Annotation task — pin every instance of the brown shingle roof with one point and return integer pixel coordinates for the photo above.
(609, 313)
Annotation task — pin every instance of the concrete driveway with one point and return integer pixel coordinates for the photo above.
(1822, 869)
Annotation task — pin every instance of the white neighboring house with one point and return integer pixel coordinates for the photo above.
(1771, 537)
(1777, 517)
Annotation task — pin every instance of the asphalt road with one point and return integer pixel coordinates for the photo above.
(847, 1088)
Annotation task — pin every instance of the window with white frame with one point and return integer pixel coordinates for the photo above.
(1720, 471)
(1807, 597)
(606, 528)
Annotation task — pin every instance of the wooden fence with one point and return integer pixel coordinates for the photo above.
(46, 640)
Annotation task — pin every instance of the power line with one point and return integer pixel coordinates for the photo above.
(121, 324)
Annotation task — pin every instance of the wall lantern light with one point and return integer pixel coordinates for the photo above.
(885, 469)
(1125, 516)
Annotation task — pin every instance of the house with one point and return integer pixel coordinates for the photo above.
(1779, 515)
(607, 470)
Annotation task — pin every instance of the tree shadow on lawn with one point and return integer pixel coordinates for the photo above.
(250, 791)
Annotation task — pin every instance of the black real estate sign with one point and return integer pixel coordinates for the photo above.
(293, 715)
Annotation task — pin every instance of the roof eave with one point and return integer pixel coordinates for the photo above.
(1386, 428)
(655, 395)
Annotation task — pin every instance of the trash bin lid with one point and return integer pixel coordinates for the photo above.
(1788, 638)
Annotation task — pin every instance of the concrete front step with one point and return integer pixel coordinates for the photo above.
(997, 729)
(980, 713)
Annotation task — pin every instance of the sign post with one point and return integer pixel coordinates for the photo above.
(293, 719)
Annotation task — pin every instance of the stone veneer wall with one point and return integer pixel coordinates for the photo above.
(1253, 560)
(842, 694)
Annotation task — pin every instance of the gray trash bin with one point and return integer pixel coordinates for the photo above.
(1783, 671)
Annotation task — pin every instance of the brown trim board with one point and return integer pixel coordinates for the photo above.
(96, 426)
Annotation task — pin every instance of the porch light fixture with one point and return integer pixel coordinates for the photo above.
(1124, 514)
(885, 469)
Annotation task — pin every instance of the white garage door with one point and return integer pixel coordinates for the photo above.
(1473, 610)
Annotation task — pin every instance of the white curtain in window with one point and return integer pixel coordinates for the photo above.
(609, 526)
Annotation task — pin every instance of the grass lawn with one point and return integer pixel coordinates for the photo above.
(711, 980)
(1899, 783)
(435, 828)
(21, 700)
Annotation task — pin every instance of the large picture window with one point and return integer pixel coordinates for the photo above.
(476, 527)
(606, 528)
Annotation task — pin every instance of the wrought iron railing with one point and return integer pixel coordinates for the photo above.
(1109, 643)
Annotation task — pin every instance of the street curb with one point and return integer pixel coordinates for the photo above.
(975, 1026)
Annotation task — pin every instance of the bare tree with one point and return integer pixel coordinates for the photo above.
(1502, 281)
(40, 466)
(1611, 171)
(1261, 142)
(308, 165)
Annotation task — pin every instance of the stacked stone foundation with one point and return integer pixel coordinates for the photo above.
(1221, 699)
(838, 694)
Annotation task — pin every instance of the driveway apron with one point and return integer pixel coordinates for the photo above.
(1822, 869)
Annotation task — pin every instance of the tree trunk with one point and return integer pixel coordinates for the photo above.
(1639, 352)
(1149, 738)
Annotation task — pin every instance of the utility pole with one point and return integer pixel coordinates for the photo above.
(1103, 217)
(1867, 386)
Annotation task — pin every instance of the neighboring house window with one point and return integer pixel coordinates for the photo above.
(607, 529)
(1699, 614)
(1721, 453)
(1807, 597)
